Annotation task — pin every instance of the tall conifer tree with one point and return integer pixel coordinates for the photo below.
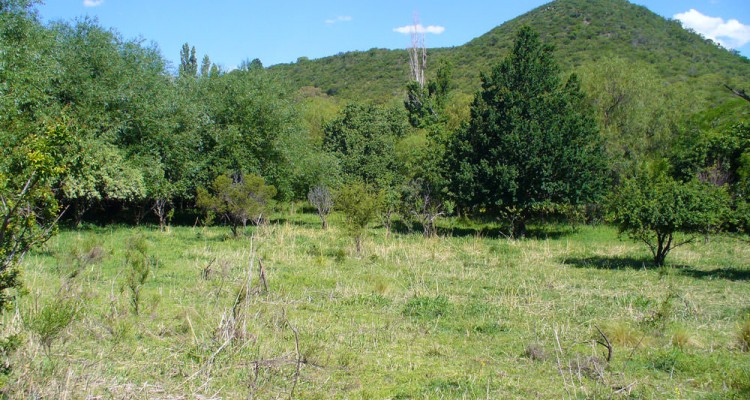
(532, 141)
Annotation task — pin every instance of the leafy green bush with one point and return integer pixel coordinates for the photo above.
(664, 213)
(359, 204)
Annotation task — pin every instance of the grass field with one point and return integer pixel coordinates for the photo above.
(449, 317)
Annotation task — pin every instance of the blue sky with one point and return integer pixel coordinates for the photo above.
(231, 31)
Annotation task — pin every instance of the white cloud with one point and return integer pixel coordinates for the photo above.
(92, 3)
(340, 18)
(418, 28)
(730, 34)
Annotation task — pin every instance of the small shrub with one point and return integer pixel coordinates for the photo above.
(659, 318)
(237, 200)
(51, 320)
(360, 205)
(664, 213)
(140, 265)
(321, 198)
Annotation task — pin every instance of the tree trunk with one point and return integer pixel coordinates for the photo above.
(519, 228)
(81, 206)
(663, 245)
(358, 243)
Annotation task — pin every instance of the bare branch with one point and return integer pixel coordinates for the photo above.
(606, 344)
(738, 92)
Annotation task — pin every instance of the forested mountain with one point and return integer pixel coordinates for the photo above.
(582, 31)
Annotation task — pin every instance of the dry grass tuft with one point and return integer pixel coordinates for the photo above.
(536, 352)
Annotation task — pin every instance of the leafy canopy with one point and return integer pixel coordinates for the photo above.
(665, 213)
(531, 141)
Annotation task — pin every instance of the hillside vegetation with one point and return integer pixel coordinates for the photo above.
(582, 31)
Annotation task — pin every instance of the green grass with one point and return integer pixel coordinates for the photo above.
(450, 317)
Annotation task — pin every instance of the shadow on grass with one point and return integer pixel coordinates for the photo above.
(489, 232)
(610, 263)
(730, 274)
(296, 222)
(615, 263)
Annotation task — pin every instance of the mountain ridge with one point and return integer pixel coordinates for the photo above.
(582, 32)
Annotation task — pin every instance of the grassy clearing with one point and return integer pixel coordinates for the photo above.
(449, 317)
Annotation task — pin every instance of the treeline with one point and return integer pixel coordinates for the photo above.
(117, 130)
(141, 135)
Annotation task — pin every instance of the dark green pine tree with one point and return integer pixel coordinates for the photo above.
(532, 141)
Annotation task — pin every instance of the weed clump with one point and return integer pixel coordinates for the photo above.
(427, 307)
(51, 320)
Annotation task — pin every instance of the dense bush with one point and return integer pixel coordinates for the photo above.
(665, 213)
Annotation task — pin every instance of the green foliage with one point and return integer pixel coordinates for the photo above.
(140, 265)
(719, 157)
(531, 140)
(29, 209)
(188, 62)
(363, 139)
(51, 320)
(238, 200)
(638, 115)
(254, 128)
(655, 209)
(426, 104)
(101, 173)
(34, 152)
(360, 204)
